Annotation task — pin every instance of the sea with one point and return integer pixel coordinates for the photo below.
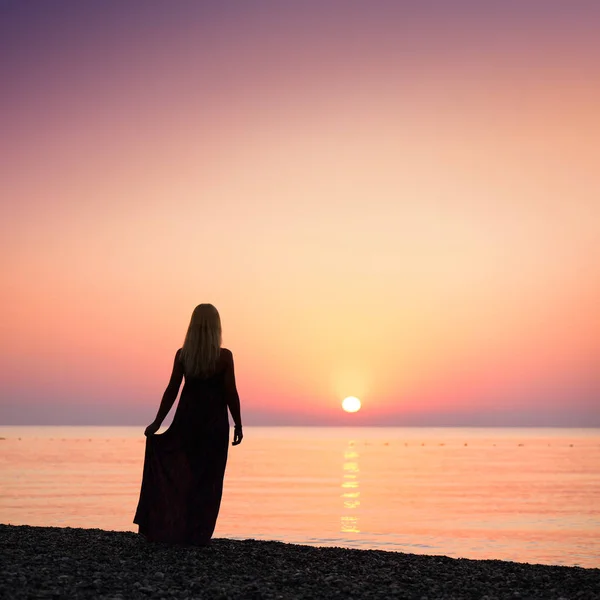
(525, 495)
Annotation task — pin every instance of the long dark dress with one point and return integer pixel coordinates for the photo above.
(184, 467)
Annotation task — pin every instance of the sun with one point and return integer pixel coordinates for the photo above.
(351, 404)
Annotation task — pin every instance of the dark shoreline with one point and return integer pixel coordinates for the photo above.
(51, 562)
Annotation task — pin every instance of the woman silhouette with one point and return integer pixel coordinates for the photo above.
(184, 467)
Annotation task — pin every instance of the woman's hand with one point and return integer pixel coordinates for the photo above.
(152, 429)
(238, 435)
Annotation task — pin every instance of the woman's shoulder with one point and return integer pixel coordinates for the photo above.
(226, 354)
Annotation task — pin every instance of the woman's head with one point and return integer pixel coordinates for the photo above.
(202, 344)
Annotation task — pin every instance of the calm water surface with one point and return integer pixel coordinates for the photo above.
(529, 495)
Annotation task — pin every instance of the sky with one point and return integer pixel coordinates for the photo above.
(393, 200)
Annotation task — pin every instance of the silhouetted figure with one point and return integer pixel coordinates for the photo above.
(184, 467)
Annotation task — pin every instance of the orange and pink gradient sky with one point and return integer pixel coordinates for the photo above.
(393, 200)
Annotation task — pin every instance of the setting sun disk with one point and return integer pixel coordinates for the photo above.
(351, 404)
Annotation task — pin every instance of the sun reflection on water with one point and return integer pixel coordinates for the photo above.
(350, 490)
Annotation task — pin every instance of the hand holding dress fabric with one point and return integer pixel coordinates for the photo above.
(152, 428)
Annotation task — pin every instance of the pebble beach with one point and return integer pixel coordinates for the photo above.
(51, 562)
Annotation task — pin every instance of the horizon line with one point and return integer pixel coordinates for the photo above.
(330, 426)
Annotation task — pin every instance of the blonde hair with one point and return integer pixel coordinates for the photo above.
(202, 345)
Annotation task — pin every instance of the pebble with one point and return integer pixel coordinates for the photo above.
(122, 565)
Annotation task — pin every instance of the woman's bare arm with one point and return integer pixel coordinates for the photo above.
(233, 398)
(171, 392)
